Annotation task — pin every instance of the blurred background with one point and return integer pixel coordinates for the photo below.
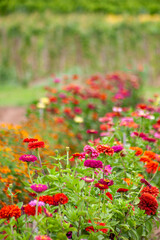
(41, 39)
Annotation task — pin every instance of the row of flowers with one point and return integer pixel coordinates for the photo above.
(99, 193)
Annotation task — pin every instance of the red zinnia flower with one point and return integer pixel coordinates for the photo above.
(101, 186)
(28, 140)
(108, 194)
(105, 149)
(154, 191)
(47, 199)
(10, 211)
(60, 198)
(122, 190)
(91, 228)
(148, 203)
(29, 210)
(145, 158)
(35, 145)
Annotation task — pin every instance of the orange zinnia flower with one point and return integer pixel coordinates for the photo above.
(138, 150)
(10, 211)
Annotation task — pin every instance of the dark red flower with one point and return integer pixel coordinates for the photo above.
(101, 186)
(154, 191)
(36, 145)
(148, 203)
(122, 190)
(60, 198)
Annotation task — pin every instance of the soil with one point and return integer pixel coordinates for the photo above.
(14, 115)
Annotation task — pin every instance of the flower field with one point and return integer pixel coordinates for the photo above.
(86, 163)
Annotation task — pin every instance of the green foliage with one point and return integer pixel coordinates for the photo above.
(69, 6)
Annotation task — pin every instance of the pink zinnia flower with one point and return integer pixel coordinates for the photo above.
(87, 179)
(39, 187)
(34, 203)
(42, 237)
(91, 151)
(28, 158)
(48, 214)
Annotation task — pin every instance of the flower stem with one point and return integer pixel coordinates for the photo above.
(29, 173)
(155, 173)
(37, 205)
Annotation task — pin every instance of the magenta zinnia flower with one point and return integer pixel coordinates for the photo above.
(39, 187)
(117, 148)
(91, 131)
(106, 182)
(93, 164)
(143, 180)
(28, 158)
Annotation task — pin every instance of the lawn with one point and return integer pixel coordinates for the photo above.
(19, 96)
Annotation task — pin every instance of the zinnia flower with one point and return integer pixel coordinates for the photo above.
(154, 191)
(138, 150)
(28, 158)
(10, 211)
(91, 151)
(60, 198)
(150, 154)
(143, 180)
(148, 203)
(101, 186)
(117, 148)
(34, 203)
(48, 214)
(42, 237)
(93, 164)
(108, 194)
(148, 139)
(88, 179)
(122, 190)
(39, 187)
(106, 181)
(35, 145)
(105, 149)
(47, 199)
(151, 166)
(91, 131)
(31, 211)
(91, 228)
(28, 140)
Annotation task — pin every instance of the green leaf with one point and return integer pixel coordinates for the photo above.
(133, 234)
(20, 204)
